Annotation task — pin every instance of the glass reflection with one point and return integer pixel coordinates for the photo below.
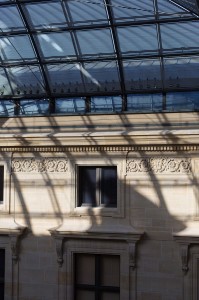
(180, 101)
(74, 105)
(106, 104)
(33, 107)
(144, 102)
(7, 107)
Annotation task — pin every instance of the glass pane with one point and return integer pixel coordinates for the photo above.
(110, 267)
(181, 72)
(85, 269)
(168, 9)
(75, 105)
(133, 9)
(106, 104)
(191, 5)
(180, 37)
(182, 101)
(85, 295)
(96, 43)
(10, 19)
(101, 77)
(7, 107)
(46, 15)
(14, 48)
(5, 88)
(88, 12)
(56, 45)
(26, 80)
(65, 78)
(109, 186)
(110, 296)
(32, 107)
(87, 186)
(144, 102)
(138, 40)
(142, 75)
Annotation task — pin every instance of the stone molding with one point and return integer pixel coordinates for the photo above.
(41, 165)
(159, 165)
(130, 238)
(185, 241)
(114, 148)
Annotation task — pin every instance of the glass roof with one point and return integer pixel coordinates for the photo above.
(85, 48)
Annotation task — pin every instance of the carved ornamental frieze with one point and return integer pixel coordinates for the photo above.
(43, 165)
(159, 165)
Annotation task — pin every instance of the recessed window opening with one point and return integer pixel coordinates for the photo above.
(97, 186)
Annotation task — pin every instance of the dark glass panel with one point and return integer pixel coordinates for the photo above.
(2, 273)
(10, 19)
(138, 40)
(87, 186)
(85, 264)
(85, 295)
(1, 195)
(74, 105)
(109, 186)
(181, 72)
(33, 107)
(180, 101)
(110, 296)
(16, 48)
(168, 9)
(144, 102)
(56, 45)
(180, 37)
(46, 15)
(65, 78)
(88, 12)
(133, 10)
(110, 270)
(7, 107)
(191, 5)
(95, 43)
(142, 75)
(101, 77)
(26, 80)
(106, 104)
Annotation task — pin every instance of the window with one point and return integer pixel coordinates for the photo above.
(1, 183)
(97, 186)
(97, 277)
(2, 273)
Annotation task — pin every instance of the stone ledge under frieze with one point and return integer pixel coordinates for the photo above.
(159, 165)
(46, 165)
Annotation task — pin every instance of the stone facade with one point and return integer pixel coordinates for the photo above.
(153, 228)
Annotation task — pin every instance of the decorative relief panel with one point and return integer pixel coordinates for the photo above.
(159, 165)
(51, 165)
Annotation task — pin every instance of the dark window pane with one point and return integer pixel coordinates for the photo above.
(109, 186)
(85, 262)
(1, 184)
(2, 273)
(87, 186)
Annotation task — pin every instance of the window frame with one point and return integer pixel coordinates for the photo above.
(4, 203)
(118, 211)
(97, 286)
(97, 187)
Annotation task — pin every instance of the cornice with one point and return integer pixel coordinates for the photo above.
(103, 148)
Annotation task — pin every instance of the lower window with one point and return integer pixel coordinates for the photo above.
(2, 272)
(97, 277)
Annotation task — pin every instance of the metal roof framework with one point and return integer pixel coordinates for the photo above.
(84, 48)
